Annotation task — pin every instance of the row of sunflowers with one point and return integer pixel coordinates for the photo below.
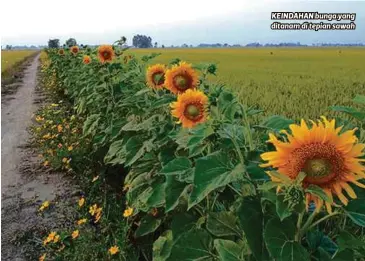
(174, 167)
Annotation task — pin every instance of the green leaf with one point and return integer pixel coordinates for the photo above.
(91, 124)
(356, 211)
(157, 198)
(181, 223)
(228, 250)
(164, 100)
(323, 255)
(166, 155)
(115, 149)
(282, 208)
(198, 134)
(223, 224)
(316, 239)
(143, 91)
(347, 241)
(345, 255)
(211, 172)
(276, 123)
(148, 225)
(350, 111)
(359, 99)
(281, 177)
(194, 245)
(318, 191)
(268, 185)
(173, 191)
(256, 172)
(162, 246)
(279, 239)
(135, 149)
(299, 179)
(176, 166)
(251, 219)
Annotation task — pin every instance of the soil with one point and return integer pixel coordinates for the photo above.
(25, 183)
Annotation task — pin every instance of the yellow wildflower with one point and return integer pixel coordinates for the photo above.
(95, 178)
(75, 234)
(81, 221)
(46, 163)
(93, 209)
(128, 212)
(59, 128)
(50, 238)
(70, 148)
(46, 136)
(54, 105)
(81, 201)
(56, 239)
(64, 160)
(113, 250)
(42, 257)
(39, 119)
(44, 205)
(98, 215)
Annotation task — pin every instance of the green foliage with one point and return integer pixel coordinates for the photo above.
(197, 193)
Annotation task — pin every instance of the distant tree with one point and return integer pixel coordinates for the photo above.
(122, 41)
(53, 43)
(8, 47)
(155, 46)
(142, 41)
(71, 42)
(163, 46)
(184, 45)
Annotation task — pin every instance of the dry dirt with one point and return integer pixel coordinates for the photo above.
(24, 183)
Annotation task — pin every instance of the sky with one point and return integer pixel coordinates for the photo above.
(168, 22)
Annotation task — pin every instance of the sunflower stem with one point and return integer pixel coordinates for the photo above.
(323, 219)
(248, 132)
(235, 190)
(299, 224)
(308, 223)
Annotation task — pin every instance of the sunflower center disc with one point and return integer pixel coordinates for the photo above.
(192, 111)
(181, 82)
(106, 55)
(159, 78)
(317, 168)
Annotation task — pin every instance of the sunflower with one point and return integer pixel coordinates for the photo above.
(329, 159)
(156, 76)
(74, 49)
(106, 53)
(180, 78)
(61, 52)
(86, 59)
(190, 108)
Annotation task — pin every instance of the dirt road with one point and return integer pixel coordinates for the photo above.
(24, 184)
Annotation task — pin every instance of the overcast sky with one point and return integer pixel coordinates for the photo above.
(168, 22)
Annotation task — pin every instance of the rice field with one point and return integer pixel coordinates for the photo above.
(10, 58)
(295, 82)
